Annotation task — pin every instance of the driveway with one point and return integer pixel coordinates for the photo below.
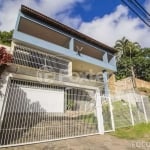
(96, 142)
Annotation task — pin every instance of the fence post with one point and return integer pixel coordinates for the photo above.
(99, 112)
(131, 113)
(145, 115)
(111, 114)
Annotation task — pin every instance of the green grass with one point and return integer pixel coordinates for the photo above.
(140, 131)
(89, 118)
(121, 113)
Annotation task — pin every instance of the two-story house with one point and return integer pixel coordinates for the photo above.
(53, 87)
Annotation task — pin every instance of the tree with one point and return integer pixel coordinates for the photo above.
(134, 61)
(121, 46)
(5, 37)
(142, 64)
(5, 58)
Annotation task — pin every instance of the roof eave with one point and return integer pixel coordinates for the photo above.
(64, 28)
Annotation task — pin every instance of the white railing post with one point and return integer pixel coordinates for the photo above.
(131, 113)
(111, 114)
(145, 115)
(99, 112)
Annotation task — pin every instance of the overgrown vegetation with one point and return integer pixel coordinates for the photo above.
(5, 58)
(132, 60)
(6, 37)
(139, 131)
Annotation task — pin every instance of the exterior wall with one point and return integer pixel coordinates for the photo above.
(122, 89)
(125, 85)
(142, 83)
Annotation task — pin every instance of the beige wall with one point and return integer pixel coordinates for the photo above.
(124, 85)
(141, 83)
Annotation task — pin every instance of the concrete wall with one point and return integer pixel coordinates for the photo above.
(125, 85)
(142, 83)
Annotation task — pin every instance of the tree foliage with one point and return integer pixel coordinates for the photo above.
(5, 37)
(132, 55)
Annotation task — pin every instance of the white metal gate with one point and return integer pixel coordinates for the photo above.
(34, 112)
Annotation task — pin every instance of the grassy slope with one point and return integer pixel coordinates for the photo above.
(140, 131)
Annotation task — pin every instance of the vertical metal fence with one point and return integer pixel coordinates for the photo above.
(130, 109)
(33, 112)
(26, 118)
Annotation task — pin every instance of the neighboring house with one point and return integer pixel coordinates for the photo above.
(57, 72)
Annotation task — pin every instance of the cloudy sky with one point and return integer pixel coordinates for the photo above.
(104, 20)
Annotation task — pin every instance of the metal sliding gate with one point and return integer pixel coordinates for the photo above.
(34, 112)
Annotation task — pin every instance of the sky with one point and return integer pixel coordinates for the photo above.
(103, 20)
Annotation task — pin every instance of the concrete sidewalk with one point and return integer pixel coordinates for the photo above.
(96, 142)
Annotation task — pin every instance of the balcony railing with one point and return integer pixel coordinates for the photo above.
(35, 59)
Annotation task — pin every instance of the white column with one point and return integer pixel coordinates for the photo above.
(105, 80)
(70, 69)
(99, 112)
(105, 57)
(71, 44)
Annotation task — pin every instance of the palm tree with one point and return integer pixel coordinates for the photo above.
(133, 49)
(121, 46)
(127, 50)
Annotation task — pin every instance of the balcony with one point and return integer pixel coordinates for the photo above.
(46, 67)
(37, 34)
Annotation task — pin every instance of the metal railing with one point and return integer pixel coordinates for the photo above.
(35, 59)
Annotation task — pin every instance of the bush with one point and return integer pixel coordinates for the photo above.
(5, 58)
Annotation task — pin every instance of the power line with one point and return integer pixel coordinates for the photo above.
(139, 10)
